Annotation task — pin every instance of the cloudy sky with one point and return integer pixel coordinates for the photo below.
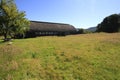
(79, 13)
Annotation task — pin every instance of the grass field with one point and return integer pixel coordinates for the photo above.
(76, 57)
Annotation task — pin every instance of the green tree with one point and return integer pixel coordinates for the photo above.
(80, 31)
(12, 21)
(110, 24)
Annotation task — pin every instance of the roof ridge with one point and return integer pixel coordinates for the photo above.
(50, 22)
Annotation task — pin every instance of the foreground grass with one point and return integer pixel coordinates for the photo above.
(78, 57)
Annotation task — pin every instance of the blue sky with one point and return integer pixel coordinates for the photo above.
(79, 13)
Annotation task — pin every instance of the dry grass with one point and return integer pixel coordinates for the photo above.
(75, 57)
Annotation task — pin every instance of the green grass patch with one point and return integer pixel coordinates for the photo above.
(76, 57)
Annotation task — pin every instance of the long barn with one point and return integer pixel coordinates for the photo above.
(38, 28)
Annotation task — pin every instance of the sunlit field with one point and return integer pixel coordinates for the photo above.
(75, 57)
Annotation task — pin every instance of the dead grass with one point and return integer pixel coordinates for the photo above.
(76, 57)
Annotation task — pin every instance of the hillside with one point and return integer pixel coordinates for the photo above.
(76, 57)
(92, 29)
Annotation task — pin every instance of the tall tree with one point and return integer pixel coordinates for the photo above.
(110, 24)
(12, 21)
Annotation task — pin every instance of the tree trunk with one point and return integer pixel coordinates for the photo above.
(5, 36)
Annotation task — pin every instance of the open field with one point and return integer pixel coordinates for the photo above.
(76, 57)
